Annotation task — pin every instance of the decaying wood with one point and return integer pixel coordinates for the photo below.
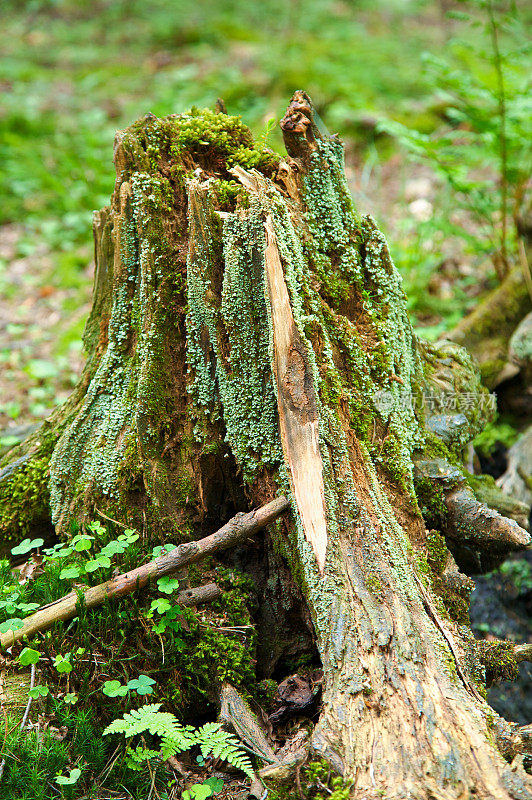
(240, 526)
(298, 418)
(523, 652)
(479, 537)
(236, 713)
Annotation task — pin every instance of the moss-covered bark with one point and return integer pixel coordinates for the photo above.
(188, 409)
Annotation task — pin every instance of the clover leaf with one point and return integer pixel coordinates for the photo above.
(142, 685)
(161, 605)
(28, 656)
(11, 625)
(198, 791)
(167, 584)
(114, 689)
(62, 663)
(162, 549)
(38, 691)
(26, 545)
(101, 560)
(83, 543)
(69, 572)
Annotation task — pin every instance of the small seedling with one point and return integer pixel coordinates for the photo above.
(73, 778)
(62, 663)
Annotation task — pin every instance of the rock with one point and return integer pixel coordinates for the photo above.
(450, 428)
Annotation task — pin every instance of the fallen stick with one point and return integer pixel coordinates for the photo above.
(240, 526)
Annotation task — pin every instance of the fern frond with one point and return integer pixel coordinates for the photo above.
(159, 723)
(213, 740)
(211, 737)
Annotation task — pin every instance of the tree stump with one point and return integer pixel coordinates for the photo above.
(249, 337)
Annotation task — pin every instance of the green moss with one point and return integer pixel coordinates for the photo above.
(184, 491)
(498, 660)
(456, 599)
(437, 552)
(373, 584)
(35, 757)
(431, 502)
(25, 498)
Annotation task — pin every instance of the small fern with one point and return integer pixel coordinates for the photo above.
(175, 738)
(213, 740)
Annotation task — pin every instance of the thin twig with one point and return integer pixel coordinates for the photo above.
(110, 519)
(32, 681)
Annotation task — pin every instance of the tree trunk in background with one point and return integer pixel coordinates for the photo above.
(249, 337)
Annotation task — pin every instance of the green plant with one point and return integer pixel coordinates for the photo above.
(38, 691)
(142, 685)
(170, 618)
(486, 92)
(26, 545)
(72, 778)
(34, 759)
(63, 663)
(200, 791)
(29, 656)
(519, 572)
(75, 564)
(494, 432)
(175, 737)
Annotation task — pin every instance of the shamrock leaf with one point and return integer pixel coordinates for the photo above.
(142, 685)
(38, 691)
(29, 656)
(83, 543)
(216, 784)
(26, 545)
(70, 572)
(101, 560)
(167, 585)
(114, 689)
(198, 791)
(26, 607)
(161, 550)
(161, 605)
(11, 625)
(71, 698)
(62, 663)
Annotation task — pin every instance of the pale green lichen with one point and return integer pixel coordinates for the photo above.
(228, 342)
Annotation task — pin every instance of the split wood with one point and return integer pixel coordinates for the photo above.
(240, 526)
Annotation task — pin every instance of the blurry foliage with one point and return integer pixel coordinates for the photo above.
(74, 72)
(499, 432)
(484, 151)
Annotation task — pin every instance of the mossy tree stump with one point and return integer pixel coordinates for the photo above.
(249, 336)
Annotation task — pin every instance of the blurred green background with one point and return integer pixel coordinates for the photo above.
(413, 87)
